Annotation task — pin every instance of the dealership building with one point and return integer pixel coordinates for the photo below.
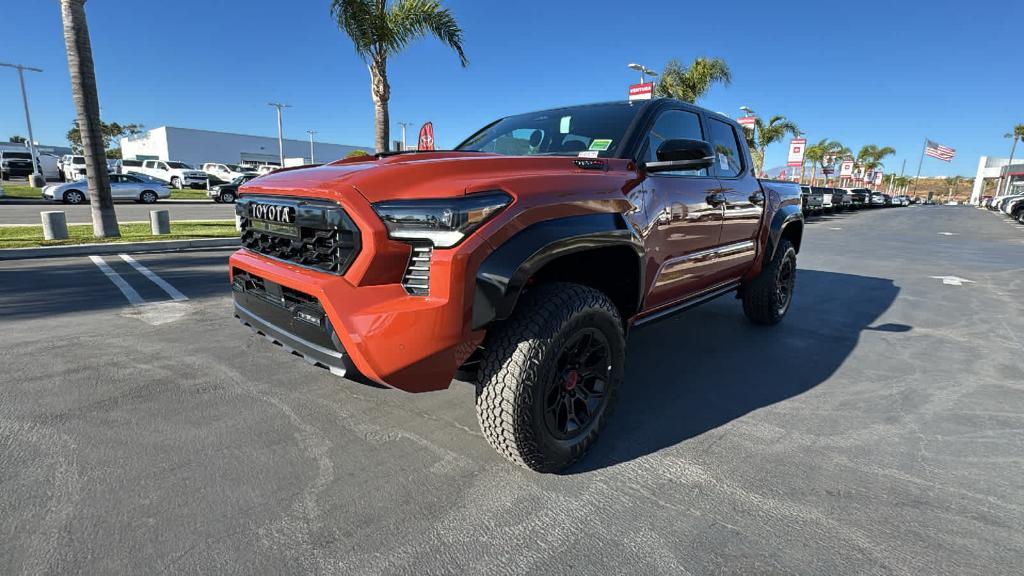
(1009, 177)
(196, 147)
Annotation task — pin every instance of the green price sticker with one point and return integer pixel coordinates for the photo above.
(600, 145)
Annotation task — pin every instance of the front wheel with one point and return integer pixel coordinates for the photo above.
(227, 197)
(550, 376)
(767, 297)
(73, 197)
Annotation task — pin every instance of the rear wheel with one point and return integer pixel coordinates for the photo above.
(550, 376)
(148, 197)
(74, 197)
(227, 197)
(767, 297)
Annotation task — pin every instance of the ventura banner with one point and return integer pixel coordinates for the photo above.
(797, 146)
(846, 169)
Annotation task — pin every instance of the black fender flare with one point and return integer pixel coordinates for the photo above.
(785, 216)
(502, 276)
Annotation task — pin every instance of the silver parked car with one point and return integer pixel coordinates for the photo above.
(122, 187)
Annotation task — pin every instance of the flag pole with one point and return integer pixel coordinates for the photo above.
(919, 163)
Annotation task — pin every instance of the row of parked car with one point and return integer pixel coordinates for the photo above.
(1011, 205)
(150, 180)
(822, 199)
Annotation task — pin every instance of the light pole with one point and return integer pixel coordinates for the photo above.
(280, 136)
(643, 70)
(37, 180)
(312, 157)
(404, 125)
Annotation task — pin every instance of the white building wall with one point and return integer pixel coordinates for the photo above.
(196, 147)
(988, 167)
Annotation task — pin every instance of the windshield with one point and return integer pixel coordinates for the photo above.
(242, 179)
(238, 168)
(20, 155)
(179, 165)
(78, 160)
(596, 131)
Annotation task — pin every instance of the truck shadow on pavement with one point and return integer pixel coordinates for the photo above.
(700, 370)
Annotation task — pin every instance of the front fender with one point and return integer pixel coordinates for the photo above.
(505, 272)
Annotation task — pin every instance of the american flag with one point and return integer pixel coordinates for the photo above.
(939, 151)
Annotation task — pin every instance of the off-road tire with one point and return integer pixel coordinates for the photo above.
(762, 301)
(520, 363)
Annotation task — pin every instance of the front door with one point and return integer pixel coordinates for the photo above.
(684, 211)
(744, 201)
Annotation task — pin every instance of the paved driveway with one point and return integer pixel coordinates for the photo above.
(877, 430)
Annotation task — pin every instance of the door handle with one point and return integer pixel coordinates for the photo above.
(716, 199)
(756, 197)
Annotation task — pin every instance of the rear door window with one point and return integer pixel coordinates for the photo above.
(728, 161)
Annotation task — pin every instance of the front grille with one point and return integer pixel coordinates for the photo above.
(325, 238)
(417, 274)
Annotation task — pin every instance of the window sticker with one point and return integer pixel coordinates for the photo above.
(589, 154)
(563, 126)
(600, 144)
(723, 161)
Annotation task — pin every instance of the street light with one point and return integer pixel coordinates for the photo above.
(312, 157)
(280, 137)
(746, 111)
(403, 125)
(37, 179)
(643, 70)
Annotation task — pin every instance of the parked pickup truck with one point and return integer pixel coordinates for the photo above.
(519, 260)
(810, 199)
(177, 174)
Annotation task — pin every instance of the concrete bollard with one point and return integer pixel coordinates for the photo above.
(36, 181)
(160, 222)
(55, 225)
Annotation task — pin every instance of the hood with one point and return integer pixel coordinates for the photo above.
(419, 175)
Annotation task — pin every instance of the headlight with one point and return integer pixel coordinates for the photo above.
(443, 221)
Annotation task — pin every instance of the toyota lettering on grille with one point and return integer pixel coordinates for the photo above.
(273, 213)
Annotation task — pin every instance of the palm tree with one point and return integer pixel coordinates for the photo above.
(689, 84)
(816, 154)
(87, 106)
(870, 157)
(764, 135)
(380, 30)
(1016, 134)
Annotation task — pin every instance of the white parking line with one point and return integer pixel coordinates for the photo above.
(133, 297)
(171, 290)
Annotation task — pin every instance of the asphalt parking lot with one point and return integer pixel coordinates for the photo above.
(877, 430)
(24, 213)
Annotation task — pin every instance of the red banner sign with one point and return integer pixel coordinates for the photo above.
(426, 137)
(643, 91)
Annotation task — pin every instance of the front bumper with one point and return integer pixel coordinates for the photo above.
(413, 343)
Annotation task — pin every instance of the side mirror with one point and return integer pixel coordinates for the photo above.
(682, 154)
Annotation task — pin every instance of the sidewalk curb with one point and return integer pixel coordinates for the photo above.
(115, 248)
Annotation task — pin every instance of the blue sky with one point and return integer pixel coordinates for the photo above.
(889, 73)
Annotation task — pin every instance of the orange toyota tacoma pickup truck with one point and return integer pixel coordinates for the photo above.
(519, 260)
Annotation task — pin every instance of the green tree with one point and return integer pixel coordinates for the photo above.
(87, 106)
(17, 139)
(356, 154)
(380, 30)
(692, 82)
(109, 133)
(818, 154)
(870, 157)
(1017, 135)
(765, 134)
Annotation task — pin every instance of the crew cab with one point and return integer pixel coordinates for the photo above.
(520, 260)
(810, 199)
(15, 163)
(177, 174)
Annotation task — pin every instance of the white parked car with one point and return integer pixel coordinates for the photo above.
(266, 169)
(122, 187)
(227, 172)
(177, 174)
